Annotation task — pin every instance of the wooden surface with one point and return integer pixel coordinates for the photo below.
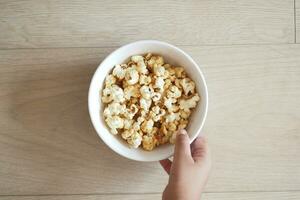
(297, 20)
(78, 23)
(49, 51)
(205, 196)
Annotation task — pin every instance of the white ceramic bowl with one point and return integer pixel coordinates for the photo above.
(172, 55)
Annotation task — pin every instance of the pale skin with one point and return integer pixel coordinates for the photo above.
(189, 171)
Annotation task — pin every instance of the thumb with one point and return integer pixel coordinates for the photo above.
(182, 152)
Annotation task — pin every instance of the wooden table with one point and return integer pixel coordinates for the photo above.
(247, 50)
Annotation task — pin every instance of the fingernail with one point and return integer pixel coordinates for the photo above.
(182, 132)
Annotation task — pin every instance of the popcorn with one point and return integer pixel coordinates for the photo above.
(131, 111)
(148, 56)
(141, 66)
(140, 119)
(171, 71)
(177, 83)
(106, 95)
(159, 116)
(159, 70)
(168, 102)
(144, 80)
(114, 123)
(156, 96)
(117, 93)
(186, 105)
(156, 113)
(172, 117)
(167, 66)
(110, 80)
(119, 71)
(188, 86)
(131, 91)
(113, 93)
(147, 126)
(154, 132)
(135, 140)
(136, 126)
(182, 124)
(137, 58)
(164, 130)
(127, 133)
(155, 60)
(133, 100)
(168, 82)
(132, 76)
(143, 113)
(159, 83)
(166, 74)
(127, 123)
(171, 127)
(114, 108)
(185, 114)
(179, 72)
(148, 142)
(156, 109)
(146, 101)
(146, 92)
(174, 92)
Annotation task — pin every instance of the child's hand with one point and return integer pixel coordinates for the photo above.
(189, 170)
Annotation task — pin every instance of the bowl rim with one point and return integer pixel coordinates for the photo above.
(149, 42)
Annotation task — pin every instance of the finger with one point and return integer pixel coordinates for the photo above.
(199, 149)
(166, 164)
(182, 151)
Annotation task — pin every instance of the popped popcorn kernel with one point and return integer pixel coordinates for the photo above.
(132, 76)
(146, 92)
(159, 83)
(171, 117)
(179, 72)
(148, 142)
(119, 72)
(156, 96)
(144, 80)
(182, 124)
(114, 123)
(113, 93)
(174, 92)
(147, 126)
(135, 140)
(114, 108)
(188, 86)
(131, 91)
(145, 103)
(110, 80)
(186, 105)
(168, 102)
(159, 70)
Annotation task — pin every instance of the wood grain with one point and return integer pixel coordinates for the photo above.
(205, 196)
(86, 197)
(48, 145)
(297, 20)
(78, 23)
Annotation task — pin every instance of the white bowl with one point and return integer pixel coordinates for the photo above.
(172, 55)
